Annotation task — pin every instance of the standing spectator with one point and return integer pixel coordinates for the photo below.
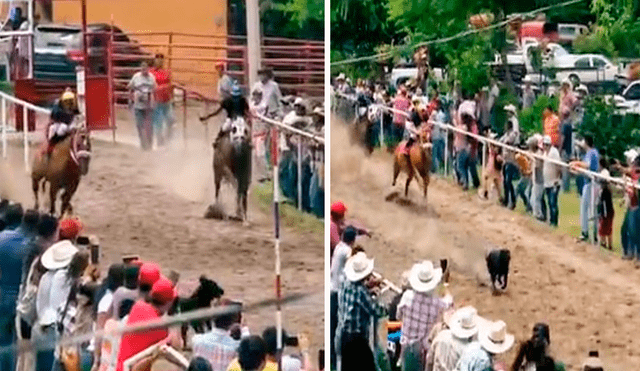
(483, 110)
(356, 310)
(217, 346)
(448, 345)
(537, 187)
(568, 104)
(141, 95)
(225, 83)
(128, 292)
(491, 173)
(419, 310)
(627, 232)
(164, 93)
(271, 95)
(467, 158)
(523, 189)
(53, 291)
(341, 253)
(528, 96)
(552, 174)
(338, 211)
(46, 234)
(511, 137)
(568, 101)
(533, 351)
(492, 99)
(605, 209)
(552, 125)
(590, 162)
(12, 255)
(401, 103)
(492, 340)
(147, 277)
(162, 296)
(104, 300)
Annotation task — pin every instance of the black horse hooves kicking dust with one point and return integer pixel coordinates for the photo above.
(215, 211)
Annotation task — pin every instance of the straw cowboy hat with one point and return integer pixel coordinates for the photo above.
(424, 277)
(631, 154)
(59, 255)
(494, 338)
(358, 267)
(464, 322)
(510, 108)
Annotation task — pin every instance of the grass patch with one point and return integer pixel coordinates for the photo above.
(290, 216)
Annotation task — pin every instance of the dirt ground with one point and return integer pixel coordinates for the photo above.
(589, 298)
(152, 204)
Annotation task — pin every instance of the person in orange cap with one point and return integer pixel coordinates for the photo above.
(338, 211)
(161, 297)
(69, 229)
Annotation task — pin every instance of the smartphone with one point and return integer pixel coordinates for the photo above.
(95, 254)
(291, 341)
(127, 259)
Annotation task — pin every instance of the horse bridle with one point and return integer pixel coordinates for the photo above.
(76, 154)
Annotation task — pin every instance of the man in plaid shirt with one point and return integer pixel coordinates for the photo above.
(217, 346)
(419, 310)
(356, 311)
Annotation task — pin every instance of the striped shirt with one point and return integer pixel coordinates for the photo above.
(217, 347)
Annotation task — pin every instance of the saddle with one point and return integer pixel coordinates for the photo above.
(403, 148)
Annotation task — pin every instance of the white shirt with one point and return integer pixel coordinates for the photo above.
(225, 84)
(105, 302)
(270, 97)
(340, 255)
(551, 172)
(467, 107)
(143, 87)
(53, 292)
(445, 351)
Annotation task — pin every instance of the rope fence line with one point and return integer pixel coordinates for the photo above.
(169, 321)
(449, 38)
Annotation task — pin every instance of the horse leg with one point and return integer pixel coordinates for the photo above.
(35, 185)
(66, 198)
(53, 193)
(410, 175)
(396, 171)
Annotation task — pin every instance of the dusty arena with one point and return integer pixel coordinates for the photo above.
(589, 298)
(152, 204)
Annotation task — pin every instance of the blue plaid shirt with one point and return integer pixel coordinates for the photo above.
(356, 310)
(217, 347)
(475, 358)
(12, 256)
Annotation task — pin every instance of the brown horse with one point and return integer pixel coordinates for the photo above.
(69, 161)
(232, 161)
(418, 160)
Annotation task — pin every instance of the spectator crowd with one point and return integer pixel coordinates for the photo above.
(424, 326)
(534, 169)
(52, 290)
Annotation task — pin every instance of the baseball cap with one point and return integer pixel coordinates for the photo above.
(70, 228)
(149, 274)
(163, 290)
(338, 208)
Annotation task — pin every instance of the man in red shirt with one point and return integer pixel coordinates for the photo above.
(161, 298)
(552, 126)
(162, 112)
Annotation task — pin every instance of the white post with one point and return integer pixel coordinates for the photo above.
(30, 37)
(446, 151)
(381, 114)
(299, 173)
(25, 131)
(253, 40)
(4, 128)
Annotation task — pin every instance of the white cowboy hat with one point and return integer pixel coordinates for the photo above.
(358, 267)
(59, 255)
(341, 76)
(423, 277)
(318, 111)
(494, 338)
(630, 154)
(510, 108)
(298, 102)
(464, 322)
(527, 78)
(546, 139)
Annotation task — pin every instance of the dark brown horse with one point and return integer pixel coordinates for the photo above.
(68, 161)
(418, 160)
(232, 161)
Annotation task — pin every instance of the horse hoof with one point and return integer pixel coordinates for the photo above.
(392, 195)
(215, 212)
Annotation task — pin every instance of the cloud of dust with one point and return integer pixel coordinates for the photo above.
(362, 182)
(15, 183)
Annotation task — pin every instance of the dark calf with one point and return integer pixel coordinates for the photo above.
(498, 266)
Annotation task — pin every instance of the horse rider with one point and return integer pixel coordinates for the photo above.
(236, 106)
(412, 126)
(63, 113)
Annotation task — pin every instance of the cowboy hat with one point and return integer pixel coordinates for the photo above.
(424, 277)
(631, 154)
(527, 79)
(510, 108)
(341, 77)
(298, 102)
(59, 255)
(464, 322)
(358, 267)
(494, 338)
(318, 111)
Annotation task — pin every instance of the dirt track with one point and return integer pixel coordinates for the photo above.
(152, 204)
(589, 298)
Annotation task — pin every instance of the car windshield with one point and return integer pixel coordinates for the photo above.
(48, 37)
(633, 93)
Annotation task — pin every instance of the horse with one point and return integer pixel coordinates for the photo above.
(68, 162)
(232, 161)
(417, 159)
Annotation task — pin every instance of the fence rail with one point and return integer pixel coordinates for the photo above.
(593, 176)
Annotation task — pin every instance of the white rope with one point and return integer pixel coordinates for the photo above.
(449, 38)
(494, 142)
(291, 129)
